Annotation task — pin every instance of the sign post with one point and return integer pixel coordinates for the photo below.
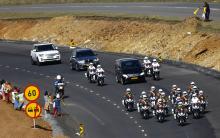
(33, 109)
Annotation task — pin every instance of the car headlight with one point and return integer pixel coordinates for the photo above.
(142, 73)
(96, 59)
(81, 61)
(124, 75)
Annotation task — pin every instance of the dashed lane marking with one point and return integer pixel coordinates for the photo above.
(131, 117)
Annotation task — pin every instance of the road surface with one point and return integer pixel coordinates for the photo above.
(174, 10)
(99, 108)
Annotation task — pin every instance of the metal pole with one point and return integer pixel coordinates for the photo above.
(34, 123)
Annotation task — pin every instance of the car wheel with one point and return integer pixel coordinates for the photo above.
(38, 62)
(71, 66)
(32, 61)
(116, 78)
(122, 81)
(76, 67)
(59, 62)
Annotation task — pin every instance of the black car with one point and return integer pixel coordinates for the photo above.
(128, 69)
(81, 57)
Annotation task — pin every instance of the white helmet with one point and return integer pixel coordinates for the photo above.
(59, 77)
(201, 92)
(152, 88)
(58, 96)
(192, 83)
(154, 60)
(178, 89)
(145, 58)
(128, 89)
(160, 100)
(143, 93)
(194, 95)
(194, 87)
(160, 90)
(90, 63)
(98, 66)
(174, 86)
(163, 94)
(144, 96)
(180, 103)
(184, 93)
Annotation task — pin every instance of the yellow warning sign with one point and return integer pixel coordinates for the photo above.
(31, 93)
(33, 110)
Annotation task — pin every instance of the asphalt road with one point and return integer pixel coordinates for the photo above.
(99, 108)
(176, 10)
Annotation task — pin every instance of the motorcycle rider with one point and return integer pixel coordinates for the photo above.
(128, 94)
(147, 64)
(146, 61)
(180, 106)
(155, 64)
(201, 95)
(143, 101)
(190, 87)
(59, 79)
(91, 68)
(153, 98)
(99, 70)
(194, 99)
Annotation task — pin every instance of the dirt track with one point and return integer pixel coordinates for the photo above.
(170, 40)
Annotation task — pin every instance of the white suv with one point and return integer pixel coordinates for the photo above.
(42, 53)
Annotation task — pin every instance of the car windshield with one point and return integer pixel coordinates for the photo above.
(132, 66)
(45, 48)
(85, 53)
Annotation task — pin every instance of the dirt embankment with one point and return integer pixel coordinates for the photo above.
(15, 124)
(170, 40)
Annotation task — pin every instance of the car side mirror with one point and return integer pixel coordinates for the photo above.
(56, 47)
(34, 50)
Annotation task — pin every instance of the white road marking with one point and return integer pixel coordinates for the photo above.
(135, 122)
(41, 74)
(131, 117)
(103, 97)
(142, 130)
(86, 88)
(77, 85)
(28, 71)
(145, 135)
(126, 113)
(139, 126)
(67, 82)
(23, 69)
(91, 91)
(114, 104)
(81, 87)
(122, 110)
(47, 76)
(97, 94)
(118, 107)
(17, 68)
(7, 66)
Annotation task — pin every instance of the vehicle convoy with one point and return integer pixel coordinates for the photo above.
(81, 57)
(42, 53)
(127, 70)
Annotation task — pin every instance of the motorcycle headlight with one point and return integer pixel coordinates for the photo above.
(142, 73)
(81, 61)
(124, 75)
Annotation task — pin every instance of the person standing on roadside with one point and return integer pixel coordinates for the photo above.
(206, 11)
(46, 102)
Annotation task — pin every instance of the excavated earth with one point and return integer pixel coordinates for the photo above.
(181, 41)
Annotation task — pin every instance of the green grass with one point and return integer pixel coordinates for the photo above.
(19, 2)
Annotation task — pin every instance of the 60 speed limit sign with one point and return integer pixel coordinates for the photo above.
(31, 93)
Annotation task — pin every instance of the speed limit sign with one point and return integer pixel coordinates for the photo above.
(31, 93)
